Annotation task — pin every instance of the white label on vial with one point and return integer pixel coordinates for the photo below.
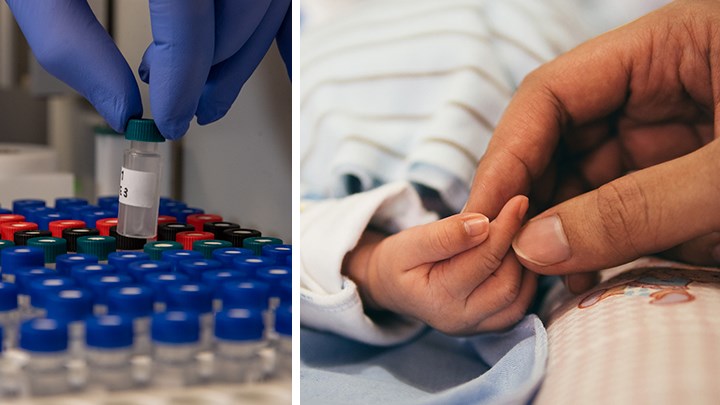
(137, 188)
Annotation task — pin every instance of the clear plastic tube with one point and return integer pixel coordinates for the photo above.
(139, 191)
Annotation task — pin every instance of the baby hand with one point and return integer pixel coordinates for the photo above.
(458, 274)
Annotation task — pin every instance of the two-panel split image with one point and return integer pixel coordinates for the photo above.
(359, 202)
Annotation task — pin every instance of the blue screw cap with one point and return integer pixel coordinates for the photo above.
(239, 325)
(134, 301)
(175, 327)
(43, 335)
(109, 332)
(245, 294)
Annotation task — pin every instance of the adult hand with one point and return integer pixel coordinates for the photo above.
(202, 53)
(454, 274)
(70, 43)
(641, 99)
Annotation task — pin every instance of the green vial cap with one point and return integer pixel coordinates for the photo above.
(143, 130)
(100, 246)
(5, 244)
(207, 246)
(53, 247)
(256, 244)
(155, 249)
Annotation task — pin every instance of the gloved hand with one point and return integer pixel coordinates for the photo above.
(202, 53)
(70, 43)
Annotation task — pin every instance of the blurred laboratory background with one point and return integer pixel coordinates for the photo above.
(53, 143)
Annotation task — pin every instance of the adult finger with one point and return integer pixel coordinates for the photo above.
(702, 251)
(235, 21)
(69, 42)
(463, 273)
(644, 212)
(177, 63)
(227, 77)
(579, 87)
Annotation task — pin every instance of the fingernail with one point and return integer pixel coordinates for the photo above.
(476, 225)
(543, 242)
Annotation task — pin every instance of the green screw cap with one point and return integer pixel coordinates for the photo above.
(53, 247)
(256, 244)
(207, 246)
(143, 130)
(5, 244)
(100, 246)
(155, 249)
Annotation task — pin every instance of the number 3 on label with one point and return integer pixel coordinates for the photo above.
(123, 192)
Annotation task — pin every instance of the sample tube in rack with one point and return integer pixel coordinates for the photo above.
(140, 181)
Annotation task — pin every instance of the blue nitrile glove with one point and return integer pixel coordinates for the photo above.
(202, 53)
(69, 42)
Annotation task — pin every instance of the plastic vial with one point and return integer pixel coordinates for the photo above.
(21, 237)
(8, 229)
(109, 349)
(279, 253)
(101, 284)
(188, 238)
(20, 206)
(256, 244)
(197, 220)
(227, 255)
(64, 263)
(195, 268)
(121, 260)
(155, 248)
(273, 276)
(196, 298)
(206, 247)
(286, 292)
(106, 202)
(176, 337)
(160, 282)
(182, 213)
(167, 206)
(140, 269)
(81, 273)
(218, 227)
(57, 227)
(9, 314)
(100, 246)
(41, 288)
(283, 343)
(135, 302)
(71, 235)
(33, 214)
(15, 257)
(215, 279)
(169, 231)
(140, 181)
(245, 294)
(23, 277)
(251, 264)
(44, 220)
(61, 204)
(104, 225)
(71, 306)
(238, 235)
(175, 256)
(239, 340)
(51, 246)
(46, 342)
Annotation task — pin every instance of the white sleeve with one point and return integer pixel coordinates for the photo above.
(331, 228)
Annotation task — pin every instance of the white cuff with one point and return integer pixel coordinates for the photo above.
(330, 229)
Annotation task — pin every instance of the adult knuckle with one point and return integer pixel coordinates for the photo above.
(623, 209)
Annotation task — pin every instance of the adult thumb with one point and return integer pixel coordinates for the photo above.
(642, 213)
